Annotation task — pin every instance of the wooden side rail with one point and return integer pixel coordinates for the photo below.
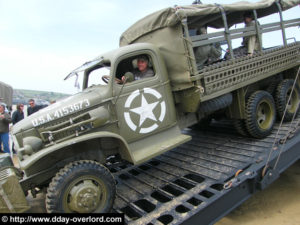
(201, 40)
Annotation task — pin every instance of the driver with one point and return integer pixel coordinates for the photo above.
(143, 70)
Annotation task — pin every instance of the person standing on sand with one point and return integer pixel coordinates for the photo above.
(5, 119)
(18, 114)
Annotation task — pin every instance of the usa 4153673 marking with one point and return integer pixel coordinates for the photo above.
(64, 111)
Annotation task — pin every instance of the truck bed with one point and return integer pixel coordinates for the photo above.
(230, 75)
(204, 179)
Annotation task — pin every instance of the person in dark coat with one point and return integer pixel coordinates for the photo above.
(33, 108)
(18, 114)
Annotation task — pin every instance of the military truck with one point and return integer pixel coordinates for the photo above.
(68, 146)
(6, 94)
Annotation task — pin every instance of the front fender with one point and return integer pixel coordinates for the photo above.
(124, 148)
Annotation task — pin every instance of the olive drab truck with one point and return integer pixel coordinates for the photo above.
(68, 147)
(6, 94)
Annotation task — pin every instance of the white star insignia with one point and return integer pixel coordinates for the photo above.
(145, 110)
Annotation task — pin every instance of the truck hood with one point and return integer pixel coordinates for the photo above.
(67, 107)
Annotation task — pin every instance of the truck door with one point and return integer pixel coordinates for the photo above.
(144, 106)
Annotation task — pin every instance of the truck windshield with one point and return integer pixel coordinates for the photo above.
(97, 72)
(99, 75)
(83, 67)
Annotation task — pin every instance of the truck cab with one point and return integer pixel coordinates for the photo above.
(134, 121)
(139, 108)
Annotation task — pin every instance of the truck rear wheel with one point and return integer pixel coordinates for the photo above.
(283, 91)
(81, 187)
(260, 114)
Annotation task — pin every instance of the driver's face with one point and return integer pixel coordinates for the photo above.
(142, 65)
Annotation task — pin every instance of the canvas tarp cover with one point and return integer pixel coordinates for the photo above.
(163, 28)
(6, 93)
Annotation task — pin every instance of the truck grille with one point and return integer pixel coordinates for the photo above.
(66, 128)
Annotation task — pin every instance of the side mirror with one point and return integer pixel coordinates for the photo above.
(129, 77)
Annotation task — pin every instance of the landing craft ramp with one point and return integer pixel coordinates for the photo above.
(204, 179)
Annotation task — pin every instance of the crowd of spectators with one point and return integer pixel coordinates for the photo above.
(6, 119)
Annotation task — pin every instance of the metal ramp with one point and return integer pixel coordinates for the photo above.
(202, 180)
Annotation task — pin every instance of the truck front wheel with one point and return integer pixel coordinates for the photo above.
(81, 187)
(260, 114)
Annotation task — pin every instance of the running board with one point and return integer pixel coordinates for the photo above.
(155, 145)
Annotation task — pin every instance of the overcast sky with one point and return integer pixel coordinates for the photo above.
(41, 41)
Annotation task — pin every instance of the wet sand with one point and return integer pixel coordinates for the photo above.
(279, 204)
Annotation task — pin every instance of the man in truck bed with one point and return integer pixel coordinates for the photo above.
(207, 54)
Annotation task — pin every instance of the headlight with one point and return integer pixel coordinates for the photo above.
(30, 145)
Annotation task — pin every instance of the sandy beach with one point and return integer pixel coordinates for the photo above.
(279, 204)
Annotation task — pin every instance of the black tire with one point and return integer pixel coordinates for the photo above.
(81, 187)
(240, 126)
(260, 114)
(272, 87)
(283, 92)
(215, 104)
